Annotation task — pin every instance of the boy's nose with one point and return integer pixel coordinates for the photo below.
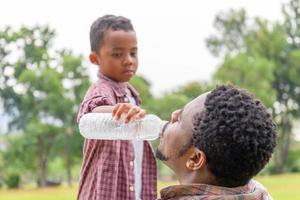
(128, 60)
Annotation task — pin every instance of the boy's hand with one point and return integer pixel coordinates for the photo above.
(175, 115)
(130, 112)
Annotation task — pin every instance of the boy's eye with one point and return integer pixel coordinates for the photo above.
(117, 55)
(133, 54)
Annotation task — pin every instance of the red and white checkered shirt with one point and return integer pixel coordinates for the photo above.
(252, 191)
(107, 170)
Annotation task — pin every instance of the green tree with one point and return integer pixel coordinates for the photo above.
(41, 89)
(193, 89)
(19, 157)
(143, 86)
(164, 105)
(263, 57)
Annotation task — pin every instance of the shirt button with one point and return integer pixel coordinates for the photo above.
(131, 163)
(131, 188)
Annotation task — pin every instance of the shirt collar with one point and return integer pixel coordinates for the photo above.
(203, 190)
(118, 88)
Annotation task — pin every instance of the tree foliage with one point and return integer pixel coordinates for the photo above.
(41, 89)
(263, 57)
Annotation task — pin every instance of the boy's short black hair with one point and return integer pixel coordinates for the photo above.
(105, 23)
(236, 133)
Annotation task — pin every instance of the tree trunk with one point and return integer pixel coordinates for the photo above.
(284, 145)
(42, 163)
(68, 134)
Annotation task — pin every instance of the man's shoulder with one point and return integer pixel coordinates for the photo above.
(258, 186)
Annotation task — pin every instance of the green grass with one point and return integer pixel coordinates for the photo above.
(56, 193)
(281, 187)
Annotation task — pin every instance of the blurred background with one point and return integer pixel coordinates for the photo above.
(185, 48)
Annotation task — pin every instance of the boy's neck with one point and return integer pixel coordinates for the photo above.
(121, 83)
(124, 85)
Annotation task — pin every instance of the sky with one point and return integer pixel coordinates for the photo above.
(171, 33)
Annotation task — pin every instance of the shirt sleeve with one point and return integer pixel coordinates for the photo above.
(95, 96)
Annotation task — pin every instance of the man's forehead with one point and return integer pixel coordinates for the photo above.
(198, 102)
(193, 107)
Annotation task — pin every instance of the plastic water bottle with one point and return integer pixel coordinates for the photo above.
(104, 127)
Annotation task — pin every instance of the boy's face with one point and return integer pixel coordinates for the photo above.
(117, 57)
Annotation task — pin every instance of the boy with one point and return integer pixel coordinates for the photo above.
(115, 169)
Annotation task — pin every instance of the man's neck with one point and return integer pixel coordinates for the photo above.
(196, 177)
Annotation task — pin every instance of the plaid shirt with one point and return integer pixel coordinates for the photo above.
(107, 169)
(252, 191)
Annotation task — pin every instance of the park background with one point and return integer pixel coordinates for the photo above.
(185, 49)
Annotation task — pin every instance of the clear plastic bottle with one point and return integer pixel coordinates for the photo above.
(103, 126)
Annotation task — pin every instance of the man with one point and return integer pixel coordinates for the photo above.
(216, 144)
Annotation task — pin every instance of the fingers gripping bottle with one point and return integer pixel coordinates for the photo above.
(104, 127)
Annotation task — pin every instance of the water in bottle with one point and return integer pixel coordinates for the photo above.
(103, 126)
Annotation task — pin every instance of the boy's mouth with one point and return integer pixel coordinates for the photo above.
(129, 72)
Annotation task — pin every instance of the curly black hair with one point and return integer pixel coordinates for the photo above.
(236, 133)
(105, 23)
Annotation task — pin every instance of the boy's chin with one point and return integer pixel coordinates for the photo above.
(125, 78)
(121, 79)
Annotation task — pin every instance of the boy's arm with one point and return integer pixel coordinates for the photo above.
(103, 109)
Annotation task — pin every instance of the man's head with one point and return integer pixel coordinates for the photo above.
(224, 137)
(114, 47)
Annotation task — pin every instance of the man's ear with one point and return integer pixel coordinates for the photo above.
(94, 58)
(196, 160)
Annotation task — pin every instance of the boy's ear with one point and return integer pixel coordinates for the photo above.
(196, 160)
(94, 58)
